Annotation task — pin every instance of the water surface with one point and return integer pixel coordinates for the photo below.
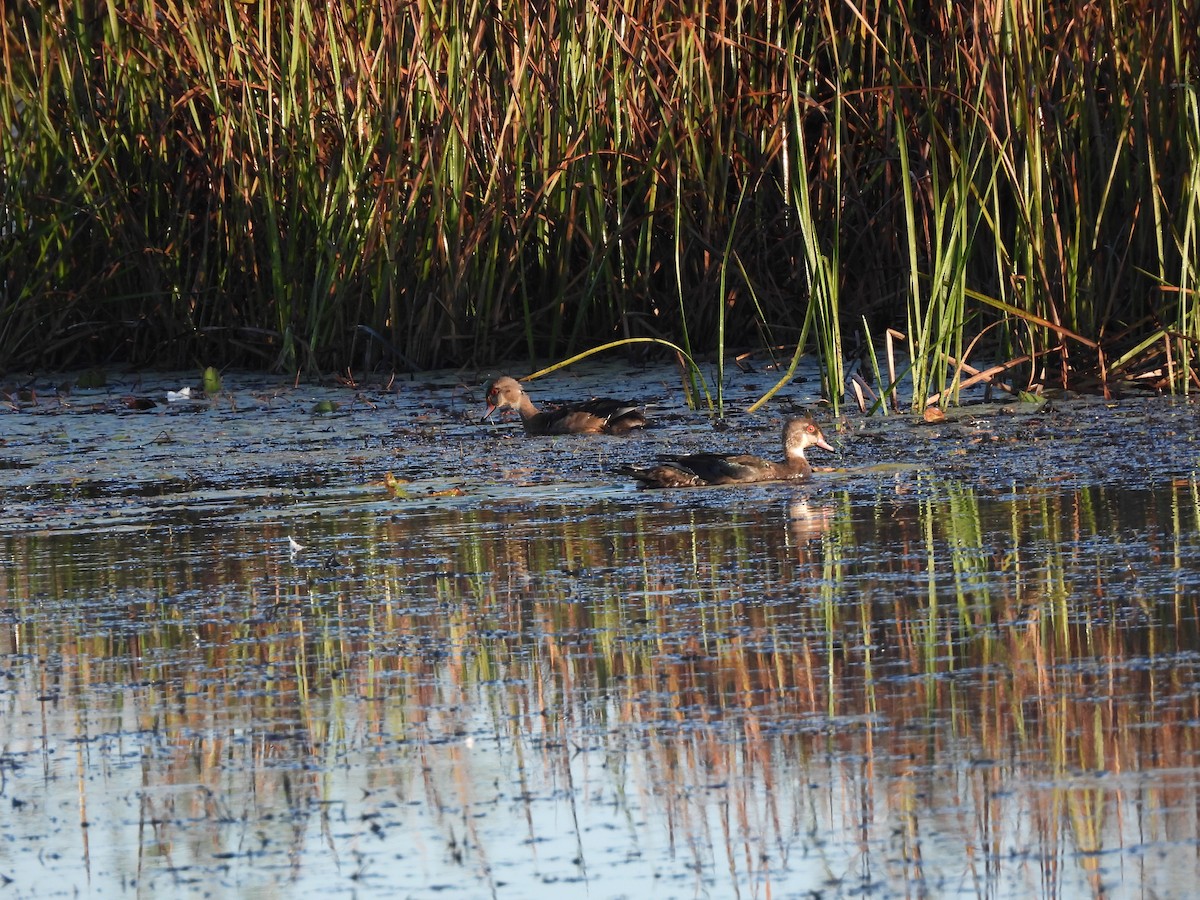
(962, 663)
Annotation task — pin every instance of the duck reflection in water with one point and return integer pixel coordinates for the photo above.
(807, 522)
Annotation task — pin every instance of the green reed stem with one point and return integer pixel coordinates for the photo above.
(692, 367)
(271, 184)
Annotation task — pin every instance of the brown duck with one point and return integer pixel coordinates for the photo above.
(597, 416)
(732, 468)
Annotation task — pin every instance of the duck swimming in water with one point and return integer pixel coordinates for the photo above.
(596, 416)
(700, 469)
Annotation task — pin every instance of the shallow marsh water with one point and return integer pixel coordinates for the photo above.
(963, 663)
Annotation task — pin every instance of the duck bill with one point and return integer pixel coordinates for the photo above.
(824, 445)
(487, 415)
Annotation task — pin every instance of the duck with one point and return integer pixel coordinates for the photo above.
(700, 469)
(597, 416)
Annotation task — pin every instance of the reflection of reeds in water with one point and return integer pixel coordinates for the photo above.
(894, 680)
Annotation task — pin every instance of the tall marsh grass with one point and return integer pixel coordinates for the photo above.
(410, 184)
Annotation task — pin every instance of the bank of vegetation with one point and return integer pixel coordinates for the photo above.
(410, 184)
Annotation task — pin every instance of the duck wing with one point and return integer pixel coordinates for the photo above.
(666, 475)
(699, 469)
(599, 415)
(606, 407)
(723, 468)
(620, 416)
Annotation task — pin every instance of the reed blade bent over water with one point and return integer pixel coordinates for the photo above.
(600, 415)
(700, 469)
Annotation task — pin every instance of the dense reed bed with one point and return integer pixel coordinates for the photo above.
(409, 184)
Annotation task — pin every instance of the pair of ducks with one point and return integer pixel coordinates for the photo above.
(605, 416)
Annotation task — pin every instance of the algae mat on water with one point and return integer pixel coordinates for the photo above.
(962, 662)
